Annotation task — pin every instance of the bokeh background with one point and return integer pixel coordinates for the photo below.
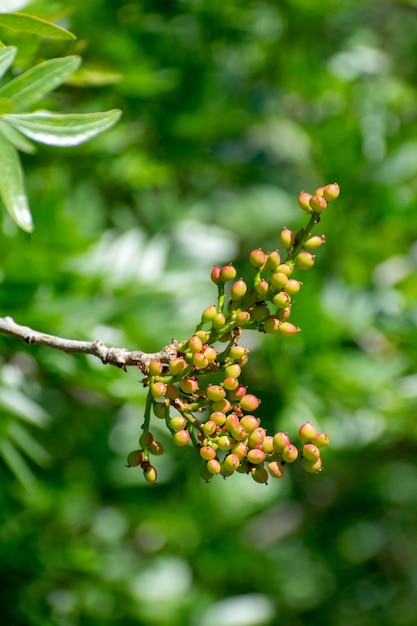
(229, 109)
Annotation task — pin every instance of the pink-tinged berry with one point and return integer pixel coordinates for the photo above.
(150, 474)
(209, 313)
(242, 318)
(238, 289)
(273, 260)
(222, 405)
(285, 268)
(256, 456)
(233, 370)
(134, 458)
(312, 467)
(257, 258)
(249, 423)
(283, 314)
(195, 344)
(177, 366)
(232, 420)
(189, 384)
(238, 433)
(287, 329)
(281, 299)
(238, 393)
(230, 384)
(213, 466)
(200, 360)
(215, 393)
(178, 422)
(287, 238)
(292, 286)
(218, 418)
(311, 452)
(207, 453)
(304, 201)
(156, 448)
(321, 440)
(256, 437)
(249, 403)
(215, 274)
(227, 273)
(304, 260)
(172, 392)
(225, 443)
(314, 242)
(318, 203)
(158, 390)
(268, 444)
(218, 320)
(279, 280)
(306, 432)
(181, 438)
(231, 462)
(259, 313)
(276, 469)
(210, 353)
(290, 453)
(240, 449)
(237, 352)
(331, 192)
(262, 288)
(271, 325)
(281, 441)
(155, 367)
(259, 475)
(210, 428)
(319, 192)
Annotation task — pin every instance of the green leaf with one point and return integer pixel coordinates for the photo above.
(7, 55)
(17, 139)
(35, 25)
(63, 130)
(32, 85)
(27, 443)
(12, 189)
(16, 463)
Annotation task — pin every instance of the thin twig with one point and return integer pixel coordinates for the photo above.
(119, 357)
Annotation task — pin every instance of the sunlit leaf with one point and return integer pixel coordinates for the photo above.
(17, 139)
(16, 463)
(7, 55)
(27, 443)
(55, 129)
(12, 190)
(32, 85)
(18, 404)
(34, 25)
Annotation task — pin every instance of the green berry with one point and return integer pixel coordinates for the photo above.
(268, 444)
(242, 318)
(304, 260)
(314, 242)
(240, 449)
(200, 360)
(233, 370)
(227, 273)
(259, 313)
(238, 290)
(159, 409)
(195, 344)
(312, 467)
(249, 423)
(222, 405)
(285, 268)
(237, 352)
(259, 475)
(225, 443)
(287, 238)
(218, 320)
(150, 474)
(257, 258)
(134, 458)
(292, 286)
(273, 260)
(209, 313)
(230, 383)
(281, 299)
(262, 288)
(256, 437)
(331, 192)
(238, 433)
(279, 280)
(177, 366)
(218, 418)
(231, 462)
(155, 367)
(172, 392)
(207, 453)
(158, 390)
(215, 393)
(189, 385)
(178, 422)
(213, 466)
(210, 353)
(238, 393)
(209, 428)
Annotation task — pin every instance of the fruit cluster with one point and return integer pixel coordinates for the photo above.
(201, 386)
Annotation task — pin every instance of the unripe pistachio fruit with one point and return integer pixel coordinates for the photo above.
(331, 192)
(215, 275)
(209, 313)
(292, 286)
(290, 453)
(134, 458)
(238, 289)
(279, 280)
(213, 466)
(178, 422)
(286, 328)
(304, 260)
(285, 268)
(249, 423)
(311, 452)
(287, 238)
(262, 287)
(150, 474)
(276, 469)
(242, 318)
(255, 456)
(271, 325)
(215, 393)
(237, 352)
(281, 441)
(227, 273)
(257, 258)
(304, 201)
(306, 432)
(313, 467)
(218, 320)
(273, 260)
(259, 313)
(158, 390)
(318, 203)
(207, 453)
(156, 448)
(181, 438)
(249, 403)
(314, 242)
(155, 367)
(321, 440)
(281, 300)
(259, 475)
(177, 366)
(195, 344)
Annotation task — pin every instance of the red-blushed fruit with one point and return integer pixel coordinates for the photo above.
(195, 344)
(218, 321)
(321, 440)
(209, 428)
(273, 260)
(290, 453)
(238, 433)
(259, 313)
(238, 290)
(232, 420)
(281, 441)
(200, 361)
(159, 409)
(158, 390)
(271, 325)
(304, 260)
(256, 437)
(178, 422)
(292, 286)
(134, 458)
(318, 203)
(177, 366)
(230, 383)
(285, 268)
(218, 418)
(215, 275)
(210, 353)
(255, 456)
(156, 448)
(287, 238)
(155, 367)
(231, 462)
(227, 273)
(331, 192)
(189, 384)
(145, 439)
(233, 370)
(319, 192)
(306, 432)
(257, 258)
(311, 452)
(225, 443)
(213, 466)
(240, 449)
(249, 422)
(276, 469)
(237, 393)
(207, 453)
(313, 243)
(283, 314)
(215, 393)
(259, 475)
(181, 438)
(262, 288)
(242, 318)
(209, 313)
(281, 299)
(172, 392)
(249, 403)
(286, 328)
(279, 280)
(312, 467)
(304, 201)
(221, 405)
(150, 474)
(268, 444)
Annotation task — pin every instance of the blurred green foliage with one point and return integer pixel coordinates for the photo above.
(230, 109)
